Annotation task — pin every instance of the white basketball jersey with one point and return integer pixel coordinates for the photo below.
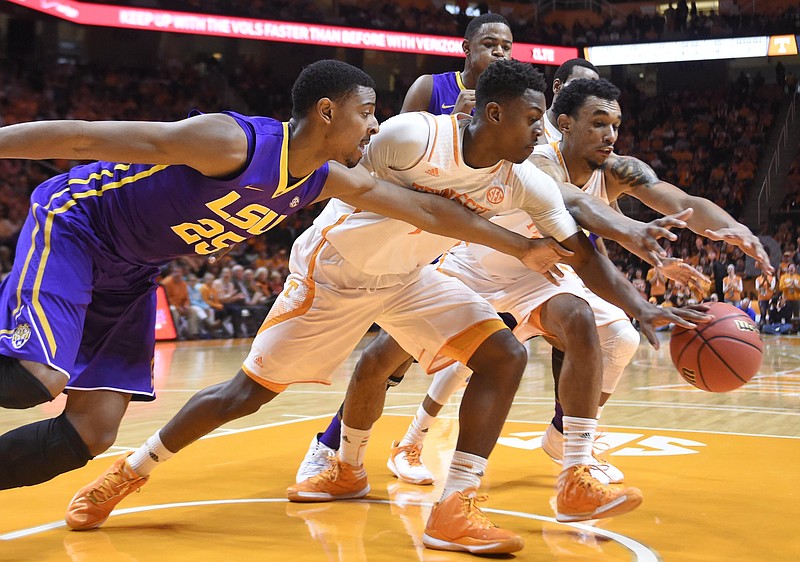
(490, 264)
(425, 152)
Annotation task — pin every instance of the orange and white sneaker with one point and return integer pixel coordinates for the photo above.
(92, 505)
(458, 524)
(581, 496)
(341, 481)
(604, 471)
(406, 464)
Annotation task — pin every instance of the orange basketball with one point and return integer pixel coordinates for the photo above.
(720, 355)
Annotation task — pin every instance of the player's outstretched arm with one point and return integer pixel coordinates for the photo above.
(637, 237)
(432, 213)
(602, 278)
(213, 144)
(632, 176)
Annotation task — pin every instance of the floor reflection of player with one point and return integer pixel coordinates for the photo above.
(339, 540)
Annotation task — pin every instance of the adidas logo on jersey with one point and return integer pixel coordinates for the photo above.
(433, 172)
(258, 361)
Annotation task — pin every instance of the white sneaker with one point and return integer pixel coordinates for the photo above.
(319, 458)
(602, 470)
(405, 463)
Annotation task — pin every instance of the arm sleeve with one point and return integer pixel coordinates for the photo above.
(399, 145)
(538, 195)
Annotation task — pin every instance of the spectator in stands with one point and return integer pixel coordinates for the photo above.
(732, 287)
(789, 286)
(765, 290)
(639, 283)
(184, 315)
(717, 271)
(205, 313)
(232, 301)
(779, 317)
(744, 306)
(210, 296)
(658, 284)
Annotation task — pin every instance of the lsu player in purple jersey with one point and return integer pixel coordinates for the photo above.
(487, 39)
(78, 309)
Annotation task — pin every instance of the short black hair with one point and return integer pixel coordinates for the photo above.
(326, 79)
(563, 71)
(506, 79)
(572, 96)
(475, 25)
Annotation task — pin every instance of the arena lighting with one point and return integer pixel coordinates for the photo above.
(281, 31)
(704, 49)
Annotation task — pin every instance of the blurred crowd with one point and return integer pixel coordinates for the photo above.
(679, 20)
(709, 149)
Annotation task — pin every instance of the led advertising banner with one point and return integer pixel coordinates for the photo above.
(704, 49)
(287, 32)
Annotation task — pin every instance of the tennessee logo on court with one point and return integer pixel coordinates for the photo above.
(495, 195)
(21, 335)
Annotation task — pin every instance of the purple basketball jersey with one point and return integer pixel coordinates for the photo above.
(444, 93)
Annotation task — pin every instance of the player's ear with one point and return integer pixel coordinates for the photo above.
(493, 112)
(325, 109)
(557, 85)
(564, 122)
(465, 47)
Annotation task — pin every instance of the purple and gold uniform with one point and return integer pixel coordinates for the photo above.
(444, 93)
(81, 295)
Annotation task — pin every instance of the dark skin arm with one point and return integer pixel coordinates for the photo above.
(626, 174)
(603, 279)
(593, 214)
(438, 215)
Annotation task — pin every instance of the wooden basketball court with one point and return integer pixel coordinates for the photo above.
(719, 474)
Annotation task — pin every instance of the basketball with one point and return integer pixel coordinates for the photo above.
(720, 355)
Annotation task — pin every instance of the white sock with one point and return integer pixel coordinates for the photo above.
(578, 441)
(466, 471)
(353, 446)
(149, 455)
(418, 429)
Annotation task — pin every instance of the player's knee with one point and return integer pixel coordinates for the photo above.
(19, 389)
(619, 341)
(99, 439)
(502, 355)
(239, 397)
(578, 319)
(376, 364)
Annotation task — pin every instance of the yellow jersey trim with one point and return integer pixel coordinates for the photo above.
(283, 179)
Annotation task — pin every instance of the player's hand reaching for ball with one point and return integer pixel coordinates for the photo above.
(543, 255)
(654, 316)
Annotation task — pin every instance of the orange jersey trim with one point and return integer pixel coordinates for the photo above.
(463, 346)
(272, 386)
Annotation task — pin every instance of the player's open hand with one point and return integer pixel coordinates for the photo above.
(654, 316)
(543, 255)
(678, 270)
(749, 243)
(645, 236)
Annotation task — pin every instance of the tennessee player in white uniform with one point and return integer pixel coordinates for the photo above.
(503, 284)
(434, 316)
